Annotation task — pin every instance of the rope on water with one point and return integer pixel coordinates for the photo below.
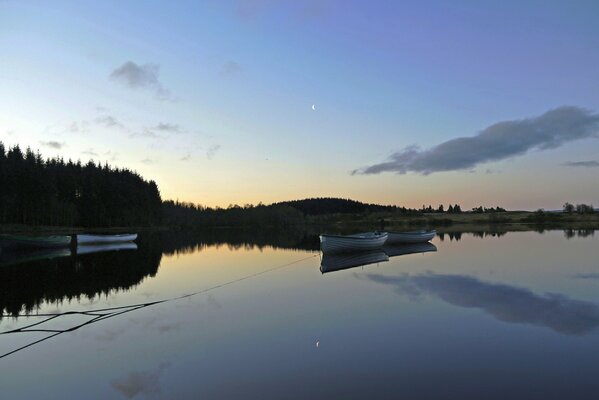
(100, 314)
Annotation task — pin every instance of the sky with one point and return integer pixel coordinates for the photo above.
(423, 102)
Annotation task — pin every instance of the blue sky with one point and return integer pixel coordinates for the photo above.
(213, 99)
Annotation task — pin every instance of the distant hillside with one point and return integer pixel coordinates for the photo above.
(331, 205)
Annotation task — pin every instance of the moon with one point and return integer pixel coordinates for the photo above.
(313, 107)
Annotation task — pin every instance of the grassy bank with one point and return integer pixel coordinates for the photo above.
(346, 223)
(511, 220)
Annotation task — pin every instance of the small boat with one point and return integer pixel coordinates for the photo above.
(394, 250)
(336, 262)
(349, 243)
(410, 237)
(34, 242)
(101, 248)
(89, 239)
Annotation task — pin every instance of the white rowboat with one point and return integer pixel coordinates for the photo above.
(349, 243)
(410, 237)
(89, 239)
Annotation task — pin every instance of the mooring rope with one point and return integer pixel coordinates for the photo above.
(100, 314)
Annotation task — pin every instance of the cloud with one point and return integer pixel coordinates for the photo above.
(140, 382)
(90, 152)
(504, 302)
(186, 157)
(147, 161)
(496, 142)
(137, 76)
(212, 150)
(53, 144)
(109, 122)
(230, 68)
(112, 156)
(76, 127)
(590, 275)
(168, 127)
(584, 164)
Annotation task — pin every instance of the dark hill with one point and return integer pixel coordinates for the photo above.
(331, 205)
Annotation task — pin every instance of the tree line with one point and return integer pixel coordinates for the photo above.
(578, 208)
(37, 191)
(34, 191)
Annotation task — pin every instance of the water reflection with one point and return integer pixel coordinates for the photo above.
(187, 242)
(504, 302)
(27, 280)
(336, 262)
(571, 233)
(500, 231)
(403, 249)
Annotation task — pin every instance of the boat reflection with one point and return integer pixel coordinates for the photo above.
(337, 262)
(413, 248)
(14, 256)
(99, 248)
(29, 279)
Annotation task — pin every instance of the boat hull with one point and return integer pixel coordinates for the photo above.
(345, 244)
(95, 239)
(410, 237)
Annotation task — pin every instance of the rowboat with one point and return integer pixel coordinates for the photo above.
(34, 242)
(89, 239)
(394, 250)
(410, 237)
(349, 243)
(336, 262)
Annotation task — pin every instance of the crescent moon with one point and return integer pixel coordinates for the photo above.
(313, 107)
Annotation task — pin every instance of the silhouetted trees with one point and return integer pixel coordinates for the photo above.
(482, 210)
(331, 205)
(579, 208)
(34, 191)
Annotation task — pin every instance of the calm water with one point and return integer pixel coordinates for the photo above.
(514, 316)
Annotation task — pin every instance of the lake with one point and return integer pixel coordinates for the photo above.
(229, 315)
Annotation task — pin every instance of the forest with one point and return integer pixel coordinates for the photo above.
(34, 191)
(51, 192)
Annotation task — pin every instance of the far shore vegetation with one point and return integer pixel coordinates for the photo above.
(53, 195)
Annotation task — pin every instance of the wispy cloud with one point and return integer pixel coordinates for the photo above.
(137, 76)
(168, 127)
(90, 152)
(505, 302)
(496, 142)
(590, 275)
(147, 161)
(212, 150)
(186, 157)
(53, 144)
(230, 68)
(110, 121)
(583, 164)
(141, 382)
(112, 156)
(78, 126)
